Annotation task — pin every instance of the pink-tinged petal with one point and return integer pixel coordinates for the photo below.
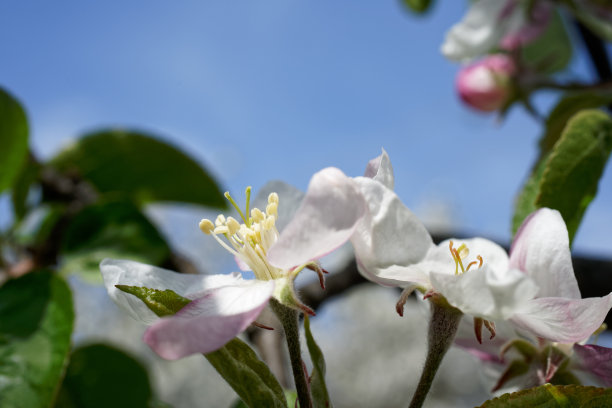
(595, 360)
(326, 219)
(486, 292)
(210, 321)
(380, 169)
(389, 234)
(563, 320)
(119, 272)
(541, 250)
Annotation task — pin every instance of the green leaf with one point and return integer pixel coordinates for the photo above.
(161, 302)
(566, 179)
(552, 51)
(112, 229)
(139, 166)
(289, 394)
(567, 107)
(526, 200)
(418, 6)
(236, 362)
(569, 182)
(247, 375)
(36, 319)
(100, 376)
(550, 396)
(320, 396)
(13, 138)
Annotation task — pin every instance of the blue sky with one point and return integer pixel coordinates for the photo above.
(278, 90)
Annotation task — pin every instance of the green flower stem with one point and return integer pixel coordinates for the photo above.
(289, 319)
(442, 330)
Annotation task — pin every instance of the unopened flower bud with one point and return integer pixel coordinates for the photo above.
(487, 84)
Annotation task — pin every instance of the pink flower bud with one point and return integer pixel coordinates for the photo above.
(486, 85)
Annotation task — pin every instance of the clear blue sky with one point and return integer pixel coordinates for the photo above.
(278, 90)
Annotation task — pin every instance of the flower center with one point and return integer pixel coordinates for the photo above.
(459, 254)
(250, 241)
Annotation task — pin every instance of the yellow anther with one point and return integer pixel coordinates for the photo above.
(273, 198)
(220, 220)
(221, 229)
(272, 209)
(206, 226)
(257, 215)
(463, 251)
(233, 226)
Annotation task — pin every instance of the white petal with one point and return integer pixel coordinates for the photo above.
(563, 320)
(389, 234)
(118, 272)
(395, 275)
(210, 321)
(380, 169)
(326, 219)
(486, 292)
(478, 32)
(290, 199)
(541, 250)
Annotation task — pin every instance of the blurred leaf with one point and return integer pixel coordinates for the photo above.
(573, 170)
(113, 229)
(551, 396)
(161, 302)
(552, 51)
(236, 362)
(36, 227)
(418, 6)
(21, 187)
(567, 107)
(247, 375)
(139, 166)
(13, 138)
(320, 396)
(567, 178)
(36, 319)
(101, 376)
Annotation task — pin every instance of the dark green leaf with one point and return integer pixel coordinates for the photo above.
(320, 396)
(567, 107)
(101, 376)
(551, 396)
(236, 362)
(552, 51)
(140, 167)
(569, 182)
(36, 319)
(290, 395)
(418, 6)
(247, 375)
(13, 138)
(161, 302)
(114, 229)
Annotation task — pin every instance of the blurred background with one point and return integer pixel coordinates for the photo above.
(279, 90)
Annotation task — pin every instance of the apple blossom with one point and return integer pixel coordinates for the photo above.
(219, 307)
(393, 248)
(489, 24)
(487, 84)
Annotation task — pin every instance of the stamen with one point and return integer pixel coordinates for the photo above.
(220, 220)
(232, 225)
(479, 260)
(471, 264)
(206, 226)
(257, 215)
(231, 200)
(458, 261)
(247, 192)
(272, 209)
(273, 198)
(221, 229)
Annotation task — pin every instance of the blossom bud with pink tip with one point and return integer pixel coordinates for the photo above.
(487, 84)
